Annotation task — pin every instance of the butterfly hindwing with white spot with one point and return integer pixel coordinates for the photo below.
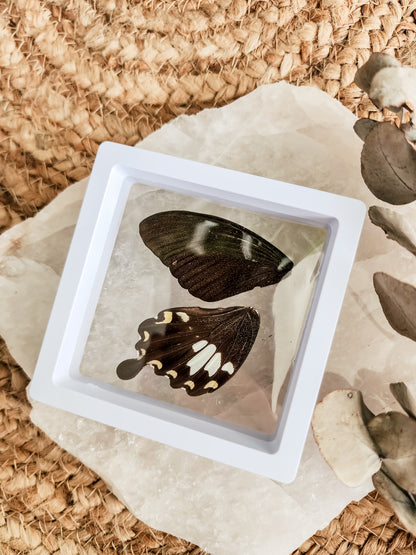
(213, 258)
(199, 349)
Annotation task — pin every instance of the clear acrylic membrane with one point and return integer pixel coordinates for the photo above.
(140, 286)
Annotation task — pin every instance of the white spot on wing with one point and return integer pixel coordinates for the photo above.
(200, 233)
(183, 316)
(156, 363)
(212, 385)
(283, 263)
(212, 365)
(141, 353)
(167, 318)
(228, 367)
(199, 345)
(246, 243)
(201, 358)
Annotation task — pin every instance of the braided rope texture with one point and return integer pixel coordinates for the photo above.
(75, 73)
(367, 528)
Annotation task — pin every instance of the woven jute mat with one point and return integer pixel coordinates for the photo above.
(73, 74)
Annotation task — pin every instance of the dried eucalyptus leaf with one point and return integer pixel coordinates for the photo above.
(394, 88)
(388, 164)
(394, 434)
(339, 429)
(398, 301)
(401, 503)
(376, 62)
(363, 126)
(404, 398)
(402, 471)
(395, 225)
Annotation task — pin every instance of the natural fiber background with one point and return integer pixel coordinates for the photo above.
(73, 74)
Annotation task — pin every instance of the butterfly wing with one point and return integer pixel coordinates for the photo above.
(198, 349)
(211, 257)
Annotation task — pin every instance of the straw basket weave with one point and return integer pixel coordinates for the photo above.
(75, 73)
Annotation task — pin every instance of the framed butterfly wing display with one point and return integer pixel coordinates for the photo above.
(213, 258)
(110, 282)
(198, 349)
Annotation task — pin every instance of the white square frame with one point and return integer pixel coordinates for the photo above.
(57, 380)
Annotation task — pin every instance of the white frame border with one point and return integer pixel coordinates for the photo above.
(57, 381)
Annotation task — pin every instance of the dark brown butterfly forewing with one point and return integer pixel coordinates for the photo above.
(199, 349)
(213, 258)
